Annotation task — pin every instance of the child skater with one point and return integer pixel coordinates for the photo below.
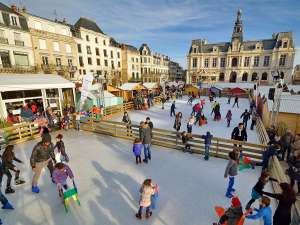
(185, 140)
(231, 171)
(61, 149)
(264, 211)
(233, 214)
(147, 190)
(137, 150)
(61, 174)
(258, 188)
(228, 117)
(7, 164)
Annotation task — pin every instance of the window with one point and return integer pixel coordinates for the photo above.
(118, 55)
(90, 61)
(282, 60)
(247, 61)
(37, 25)
(84, 72)
(132, 75)
(245, 77)
(68, 48)
(137, 75)
(254, 77)
(119, 64)
(132, 66)
(234, 62)
(112, 64)
(21, 59)
(256, 61)
(87, 38)
(58, 61)
(111, 54)
(221, 77)
(56, 46)
(194, 50)
(42, 44)
(267, 60)
(80, 72)
(17, 36)
(14, 21)
(104, 52)
(45, 60)
(285, 44)
(2, 33)
(214, 64)
(88, 50)
(97, 51)
(98, 62)
(79, 48)
(137, 60)
(264, 76)
(104, 42)
(70, 62)
(223, 61)
(96, 40)
(105, 62)
(194, 62)
(81, 61)
(206, 61)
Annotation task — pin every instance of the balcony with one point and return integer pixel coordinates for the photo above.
(19, 43)
(3, 40)
(18, 69)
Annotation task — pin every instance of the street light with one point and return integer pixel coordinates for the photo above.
(277, 96)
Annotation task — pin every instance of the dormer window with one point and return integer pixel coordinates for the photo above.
(14, 20)
(215, 49)
(194, 50)
(285, 44)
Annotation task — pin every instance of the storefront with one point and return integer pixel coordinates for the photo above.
(43, 90)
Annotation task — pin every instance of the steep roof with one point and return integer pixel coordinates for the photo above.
(130, 47)
(88, 24)
(145, 46)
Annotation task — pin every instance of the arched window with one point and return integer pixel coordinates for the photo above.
(221, 77)
(133, 75)
(232, 77)
(137, 75)
(254, 76)
(234, 62)
(264, 76)
(282, 75)
(245, 77)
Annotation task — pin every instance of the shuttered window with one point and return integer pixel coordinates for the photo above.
(21, 59)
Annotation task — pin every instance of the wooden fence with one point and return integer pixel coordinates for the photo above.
(261, 132)
(220, 147)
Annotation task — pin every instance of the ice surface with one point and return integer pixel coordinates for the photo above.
(108, 181)
(161, 118)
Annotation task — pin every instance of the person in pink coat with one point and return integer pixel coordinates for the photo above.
(147, 190)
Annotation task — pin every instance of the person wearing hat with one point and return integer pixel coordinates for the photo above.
(41, 156)
(233, 214)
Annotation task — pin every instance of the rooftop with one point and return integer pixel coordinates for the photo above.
(88, 24)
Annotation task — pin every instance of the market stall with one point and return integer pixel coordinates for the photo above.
(153, 87)
(131, 90)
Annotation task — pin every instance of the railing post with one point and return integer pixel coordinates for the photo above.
(115, 130)
(217, 150)
(30, 128)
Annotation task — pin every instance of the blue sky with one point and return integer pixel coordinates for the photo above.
(168, 26)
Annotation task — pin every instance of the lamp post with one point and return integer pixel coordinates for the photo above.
(277, 96)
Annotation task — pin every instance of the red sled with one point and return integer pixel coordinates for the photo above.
(220, 212)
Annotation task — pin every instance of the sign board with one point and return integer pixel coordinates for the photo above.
(86, 86)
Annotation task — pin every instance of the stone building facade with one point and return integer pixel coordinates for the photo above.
(176, 72)
(239, 60)
(98, 53)
(131, 64)
(16, 53)
(296, 74)
(54, 48)
(153, 65)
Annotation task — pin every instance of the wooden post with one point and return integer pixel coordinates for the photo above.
(115, 130)
(30, 128)
(217, 150)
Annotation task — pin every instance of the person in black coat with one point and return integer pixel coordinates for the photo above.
(286, 199)
(239, 133)
(246, 116)
(294, 172)
(172, 112)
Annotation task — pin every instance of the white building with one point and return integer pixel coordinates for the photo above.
(131, 64)
(97, 53)
(16, 54)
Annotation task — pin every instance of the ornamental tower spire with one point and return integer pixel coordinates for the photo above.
(238, 27)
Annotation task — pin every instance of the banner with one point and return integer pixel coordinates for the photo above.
(86, 86)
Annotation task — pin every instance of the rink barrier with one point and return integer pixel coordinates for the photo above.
(220, 147)
(261, 131)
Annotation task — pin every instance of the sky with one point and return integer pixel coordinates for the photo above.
(169, 26)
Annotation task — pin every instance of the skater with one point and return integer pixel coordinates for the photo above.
(147, 190)
(246, 116)
(61, 150)
(172, 112)
(239, 133)
(213, 106)
(127, 121)
(286, 145)
(198, 116)
(258, 188)
(252, 105)
(286, 199)
(294, 172)
(177, 122)
(5, 203)
(60, 175)
(217, 116)
(207, 142)
(231, 171)
(185, 139)
(163, 101)
(77, 118)
(145, 136)
(233, 214)
(137, 150)
(264, 211)
(229, 99)
(202, 120)
(41, 156)
(189, 125)
(254, 118)
(272, 150)
(236, 102)
(228, 117)
(7, 164)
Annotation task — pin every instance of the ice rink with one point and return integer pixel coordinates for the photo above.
(108, 181)
(161, 118)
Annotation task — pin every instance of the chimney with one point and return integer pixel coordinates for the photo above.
(13, 8)
(64, 21)
(24, 10)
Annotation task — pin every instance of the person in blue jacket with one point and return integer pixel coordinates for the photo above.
(137, 150)
(207, 142)
(264, 211)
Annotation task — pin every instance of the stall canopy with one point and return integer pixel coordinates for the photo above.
(238, 91)
(133, 87)
(17, 82)
(151, 86)
(216, 90)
